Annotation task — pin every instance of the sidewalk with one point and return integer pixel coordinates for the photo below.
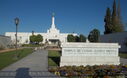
(33, 66)
(7, 50)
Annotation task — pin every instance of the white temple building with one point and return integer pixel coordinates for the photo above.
(53, 35)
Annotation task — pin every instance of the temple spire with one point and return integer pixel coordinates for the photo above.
(53, 20)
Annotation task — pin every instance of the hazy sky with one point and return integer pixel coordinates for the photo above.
(80, 16)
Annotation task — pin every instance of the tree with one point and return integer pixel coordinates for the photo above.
(94, 35)
(39, 38)
(114, 15)
(108, 22)
(32, 39)
(115, 19)
(70, 38)
(82, 38)
(77, 39)
(119, 10)
(119, 18)
(36, 39)
(113, 23)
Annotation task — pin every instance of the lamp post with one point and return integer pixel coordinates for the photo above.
(16, 23)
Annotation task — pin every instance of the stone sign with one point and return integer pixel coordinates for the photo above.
(89, 54)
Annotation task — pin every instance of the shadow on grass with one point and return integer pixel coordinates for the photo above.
(56, 60)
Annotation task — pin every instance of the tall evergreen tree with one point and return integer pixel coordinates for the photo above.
(114, 17)
(113, 23)
(119, 10)
(120, 24)
(108, 22)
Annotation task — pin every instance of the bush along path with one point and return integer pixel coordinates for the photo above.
(33, 66)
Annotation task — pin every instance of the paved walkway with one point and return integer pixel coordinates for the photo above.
(33, 66)
(6, 50)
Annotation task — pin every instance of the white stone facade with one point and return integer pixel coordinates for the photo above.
(52, 34)
(89, 54)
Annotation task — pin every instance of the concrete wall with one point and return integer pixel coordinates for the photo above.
(120, 38)
(89, 54)
(5, 41)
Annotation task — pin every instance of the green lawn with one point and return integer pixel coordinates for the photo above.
(52, 53)
(51, 62)
(53, 58)
(7, 58)
(123, 55)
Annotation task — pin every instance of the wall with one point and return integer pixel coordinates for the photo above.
(89, 54)
(120, 38)
(23, 37)
(5, 41)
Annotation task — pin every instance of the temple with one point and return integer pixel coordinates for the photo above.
(52, 36)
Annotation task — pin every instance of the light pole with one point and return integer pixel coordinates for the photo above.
(16, 23)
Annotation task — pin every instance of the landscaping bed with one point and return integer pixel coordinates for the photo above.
(96, 71)
(100, 71)
(8, 58)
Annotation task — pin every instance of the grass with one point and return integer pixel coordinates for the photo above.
(51, 62)
(7, 58)
(52, 53)
(123, 55)
(53, 58)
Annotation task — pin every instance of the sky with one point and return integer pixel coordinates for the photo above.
(79, 16)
